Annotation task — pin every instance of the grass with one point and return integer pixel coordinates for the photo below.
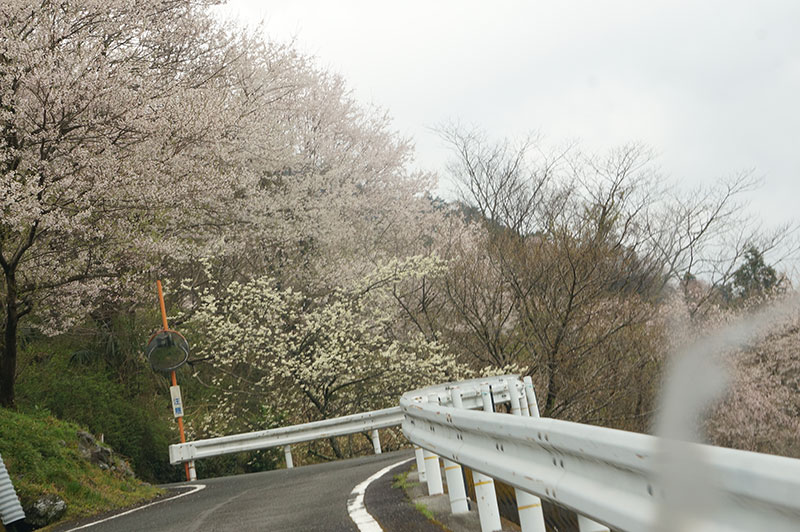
(421, 508)
(401, 481)
(41, 455)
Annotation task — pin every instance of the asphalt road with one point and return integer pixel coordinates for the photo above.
(308, 498)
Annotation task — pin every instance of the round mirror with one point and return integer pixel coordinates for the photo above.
(167, 351)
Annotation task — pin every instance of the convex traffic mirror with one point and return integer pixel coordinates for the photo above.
(167, 351)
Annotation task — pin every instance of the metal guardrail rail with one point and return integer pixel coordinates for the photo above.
(469, 390)
(611, 476)
(286, 436)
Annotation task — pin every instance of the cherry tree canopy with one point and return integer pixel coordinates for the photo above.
(139, 136)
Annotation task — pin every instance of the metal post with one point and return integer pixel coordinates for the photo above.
(484, 486)
(419, 454)
(376, 441)
(531, 518)
(523, 403)
(433, 473)
(530, 396)
(287, 453)
(192, 471)
(453, 473)
(587, 525)
(420, 457)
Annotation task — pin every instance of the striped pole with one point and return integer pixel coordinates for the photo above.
(10, 507)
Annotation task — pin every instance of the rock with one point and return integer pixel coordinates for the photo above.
(125, 469)
(97, 454)
(102, 456)
(47, 509)
(85, 444)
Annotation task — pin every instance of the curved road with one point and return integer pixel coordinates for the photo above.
(304, 498)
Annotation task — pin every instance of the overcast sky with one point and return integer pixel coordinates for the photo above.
(712, 86)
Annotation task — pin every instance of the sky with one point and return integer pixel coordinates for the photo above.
(712, 87)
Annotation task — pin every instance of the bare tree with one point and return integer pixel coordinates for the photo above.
(500, 179)
(587, 248)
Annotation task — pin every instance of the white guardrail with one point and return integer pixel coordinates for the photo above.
(617, 478)
(610, 478)
(286, 436)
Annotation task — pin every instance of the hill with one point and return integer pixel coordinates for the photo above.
(64, 469)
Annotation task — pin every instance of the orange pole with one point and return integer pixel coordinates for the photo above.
(180, 419)
(172, 373)
(163, 308)
(180, 427)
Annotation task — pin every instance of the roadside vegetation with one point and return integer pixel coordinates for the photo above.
(44, 457)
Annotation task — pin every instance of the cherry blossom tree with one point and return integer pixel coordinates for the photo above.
(120, 138)
(331, 206)
(761, 407)
(312, 357)
(143, 137)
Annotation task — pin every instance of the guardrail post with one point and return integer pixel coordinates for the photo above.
(523, 403)
(587, 525)
(287, 453)
(376, 441)
(488, 512)
(530, 396)
(433, 473)
(420, 457)
(584, 523)
(531, 518)
(453, 473)
(192, 471)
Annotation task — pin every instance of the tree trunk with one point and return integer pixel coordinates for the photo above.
(8, 362)
(552, 387)
(336, 449)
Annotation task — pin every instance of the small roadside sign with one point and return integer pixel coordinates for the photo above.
(177, 402)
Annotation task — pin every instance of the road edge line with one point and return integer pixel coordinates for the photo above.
(355, 502)
(197, 487)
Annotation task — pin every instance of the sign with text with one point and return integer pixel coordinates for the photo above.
(177, 402)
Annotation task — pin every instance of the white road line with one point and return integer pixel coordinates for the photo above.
(197, 487)
(355, 503)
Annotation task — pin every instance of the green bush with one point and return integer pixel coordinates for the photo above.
(134, 419)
